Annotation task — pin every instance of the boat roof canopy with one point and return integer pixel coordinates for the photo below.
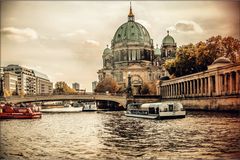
(161, 105)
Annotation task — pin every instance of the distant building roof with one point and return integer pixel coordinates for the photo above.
(222, 60)
(40, 75)
(219, 62)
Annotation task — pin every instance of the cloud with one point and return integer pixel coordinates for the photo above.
(20, 35)
(74, 33)
(144, 23)
(59, 74)
(92, 42)
(185, 26)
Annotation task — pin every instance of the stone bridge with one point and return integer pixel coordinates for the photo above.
(121, 99)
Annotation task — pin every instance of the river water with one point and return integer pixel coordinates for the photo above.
(111, 135)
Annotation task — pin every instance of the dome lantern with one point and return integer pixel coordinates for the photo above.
(157, 51)
(130, 15)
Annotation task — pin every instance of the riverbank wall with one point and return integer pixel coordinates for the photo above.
(214, 103)
(223, 103)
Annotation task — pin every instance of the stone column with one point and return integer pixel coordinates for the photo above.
(166, 88)
(226, 84)
(197, 87)
(187, 88)
(220, 84)
(206, 86)
(217, 84)
(168, 91)
(201, 87)
(162, 91)
(209, 86)
(184, 89)
(171, 91)
(190, 88)
(230, 83)
(165, 92)
(193, 88)
(183, 93)
(237, 82)
(174, 90)
(179, 89)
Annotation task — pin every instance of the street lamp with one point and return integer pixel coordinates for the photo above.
(129, 88)
(1, 86)
(1, 82)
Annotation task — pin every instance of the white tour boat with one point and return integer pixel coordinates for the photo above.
(160, 110)
(89, 106)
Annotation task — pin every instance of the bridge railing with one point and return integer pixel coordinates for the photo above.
(56, 94)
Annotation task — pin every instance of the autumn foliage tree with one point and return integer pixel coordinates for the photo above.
(148, 88)
(62, 87)
(195, 58)
(108, 84)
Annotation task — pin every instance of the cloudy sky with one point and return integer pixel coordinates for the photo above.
(65, 40)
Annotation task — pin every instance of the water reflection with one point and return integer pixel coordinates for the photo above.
(111, 135)
(209, 135)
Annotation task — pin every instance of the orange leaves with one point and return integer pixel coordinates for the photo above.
(195, 58)
(108, 84)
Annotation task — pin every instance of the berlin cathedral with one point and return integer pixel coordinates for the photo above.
(132, 54)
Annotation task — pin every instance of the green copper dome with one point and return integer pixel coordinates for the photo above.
(168, 40)
(131, 32)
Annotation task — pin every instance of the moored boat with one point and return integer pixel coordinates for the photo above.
(161, 110)
(9, 112)
(89, 106)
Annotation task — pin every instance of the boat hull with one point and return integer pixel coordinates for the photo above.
(89, 110)
(20, 115)
(161, 115)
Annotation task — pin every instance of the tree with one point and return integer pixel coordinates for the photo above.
(108, 84)
(148, 88)
(232, 48)
(7, 93)
(62, 87)
(195, 58)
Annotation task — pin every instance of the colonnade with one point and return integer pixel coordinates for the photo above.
(200, 84)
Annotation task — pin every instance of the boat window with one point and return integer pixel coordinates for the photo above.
(170, 107)
(151, 110)
(157, 110)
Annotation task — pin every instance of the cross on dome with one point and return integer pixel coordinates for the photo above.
(130, 15)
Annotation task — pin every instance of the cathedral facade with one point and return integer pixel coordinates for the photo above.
(132, 54)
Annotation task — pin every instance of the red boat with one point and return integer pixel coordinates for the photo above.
(9, 112)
